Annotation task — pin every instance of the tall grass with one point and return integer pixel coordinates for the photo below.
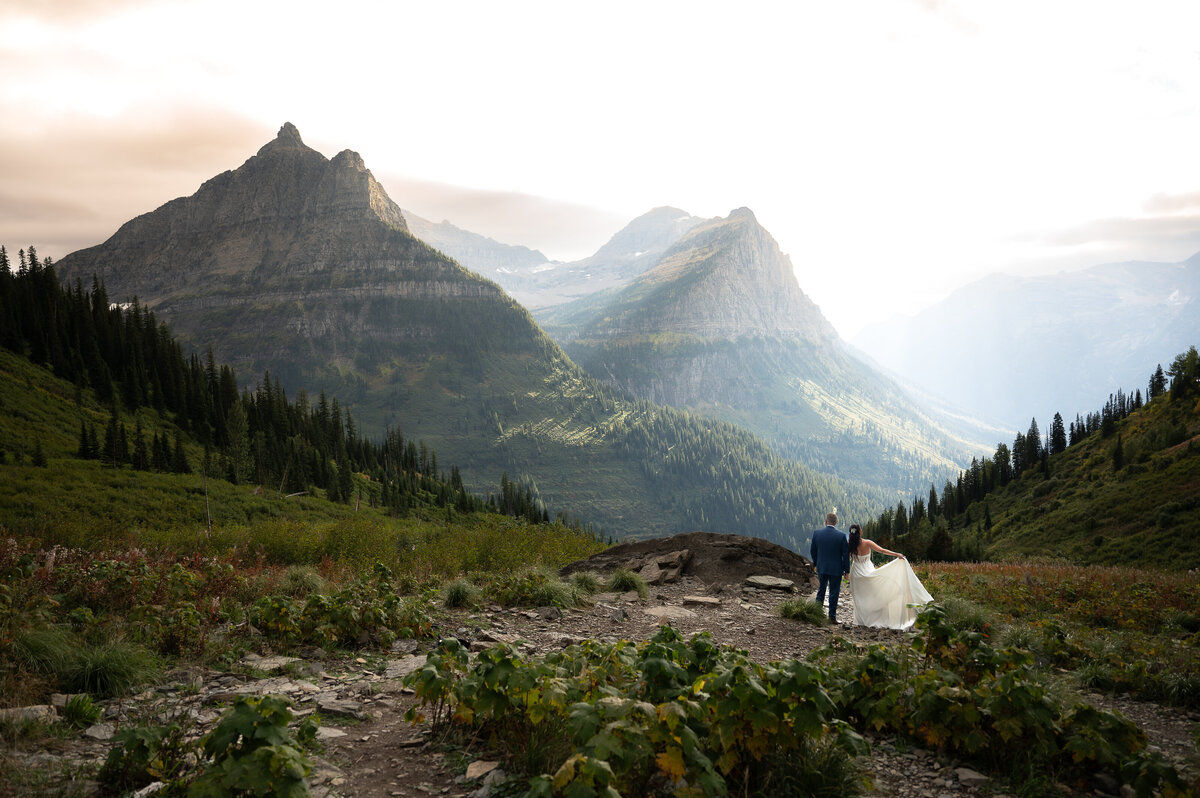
(623, 580)
(107, 669)
(805, 610)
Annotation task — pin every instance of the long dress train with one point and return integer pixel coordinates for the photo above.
(882, 595)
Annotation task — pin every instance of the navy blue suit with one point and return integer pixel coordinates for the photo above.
(830, 553)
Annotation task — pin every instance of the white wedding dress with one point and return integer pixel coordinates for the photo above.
(882, 595)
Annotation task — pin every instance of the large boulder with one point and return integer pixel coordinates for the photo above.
(714, 559)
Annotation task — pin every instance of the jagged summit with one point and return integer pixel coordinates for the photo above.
(725, 278)
(288, 209)
(287, 138)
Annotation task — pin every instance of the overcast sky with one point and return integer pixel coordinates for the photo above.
(896, 150)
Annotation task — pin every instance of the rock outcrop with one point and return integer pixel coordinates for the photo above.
(712, 558)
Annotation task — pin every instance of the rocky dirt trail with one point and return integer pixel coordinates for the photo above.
(370, 750)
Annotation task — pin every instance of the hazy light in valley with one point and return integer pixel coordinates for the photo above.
(895, 150)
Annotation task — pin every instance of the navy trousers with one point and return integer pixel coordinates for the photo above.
(835, 588)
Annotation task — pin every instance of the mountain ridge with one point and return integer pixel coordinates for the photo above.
(721, 326)
(353, 305)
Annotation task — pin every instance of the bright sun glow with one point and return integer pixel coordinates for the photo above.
(895, 150)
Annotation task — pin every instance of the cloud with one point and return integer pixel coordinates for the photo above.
(71, 184)
(1126, 231)
(1172, 203)
(66, 12)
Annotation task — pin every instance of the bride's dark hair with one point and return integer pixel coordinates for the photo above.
(855, 538)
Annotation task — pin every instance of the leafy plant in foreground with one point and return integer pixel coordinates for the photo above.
(666, 715)
(253, 753)
(81, 711)
(955, 692)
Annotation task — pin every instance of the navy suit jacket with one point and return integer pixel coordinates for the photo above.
(830, 551)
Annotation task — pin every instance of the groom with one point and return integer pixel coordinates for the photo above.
(830, 553)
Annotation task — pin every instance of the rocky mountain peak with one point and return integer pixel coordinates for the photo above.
(288, 138)
(349, 159)
(256, 224)
(728, 278)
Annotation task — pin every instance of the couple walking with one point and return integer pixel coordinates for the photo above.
(883, 596)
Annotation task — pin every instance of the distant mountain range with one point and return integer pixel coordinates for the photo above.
(1006, 348)
(536, 282)
(719, 325)
(303, 267)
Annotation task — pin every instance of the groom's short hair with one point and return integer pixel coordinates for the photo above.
(831, 519)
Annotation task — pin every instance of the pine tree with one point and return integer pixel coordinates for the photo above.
(1158, 384)
(141, 456)
(85, 449)
(39, 457)
(1058, 435)
(179, 461)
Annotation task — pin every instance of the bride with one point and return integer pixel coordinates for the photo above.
(883, 596)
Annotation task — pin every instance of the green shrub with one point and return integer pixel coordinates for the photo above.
(586, 582)
(461, 593)
(112, 668)
(143, 754)
(367, 611)
(818, 768)
(805, 610)
(623, 580)
(46, 652)
(963, 614)
(665, 716)
(532, 587)
(252, 752)
(81, 711)
(1021, 637)
(301, 581)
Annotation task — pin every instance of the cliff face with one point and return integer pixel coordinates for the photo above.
(726, 278)
(720, 326)
(286, 215)
(284, 261)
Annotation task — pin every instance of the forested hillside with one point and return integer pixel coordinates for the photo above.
(1119, 486)
(700, 474)
(165, 412)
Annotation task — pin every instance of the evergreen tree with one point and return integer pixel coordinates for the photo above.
(1185, 373)
(1058, 435)
(1033, 444)
(111, 451)
(237, 449)
(85, 447)
(179, 461)
(1004, 469)
(141, 456)
(39, 457)
(1158, 384)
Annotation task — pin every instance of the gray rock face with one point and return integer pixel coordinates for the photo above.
(710, 557)
(286, 209)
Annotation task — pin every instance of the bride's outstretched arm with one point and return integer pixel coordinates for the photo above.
(873, 546)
